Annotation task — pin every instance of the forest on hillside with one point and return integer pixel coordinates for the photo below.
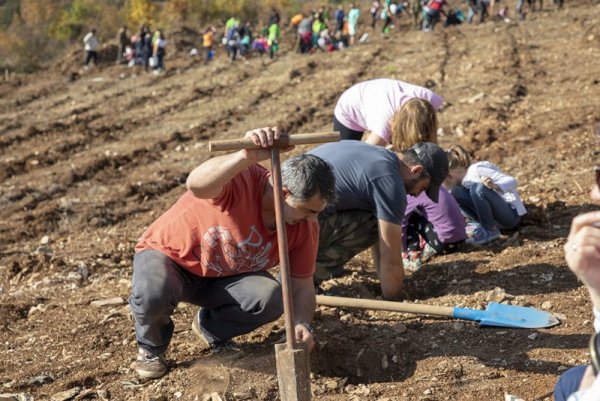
(35, 32)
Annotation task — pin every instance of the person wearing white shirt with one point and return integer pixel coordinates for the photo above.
(90, 42)
(485, 195)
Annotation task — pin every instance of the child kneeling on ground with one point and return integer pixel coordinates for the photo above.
(486, 196)
(431, 228)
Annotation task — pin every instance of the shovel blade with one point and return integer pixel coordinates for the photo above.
(293, 372)
(500, 315)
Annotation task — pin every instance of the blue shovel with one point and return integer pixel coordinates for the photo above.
(497, 315)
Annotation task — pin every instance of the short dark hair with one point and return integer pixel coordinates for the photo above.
(307, 175)
(410, 158)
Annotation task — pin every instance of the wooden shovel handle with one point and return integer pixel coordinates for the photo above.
(284, 141)
(373, 304)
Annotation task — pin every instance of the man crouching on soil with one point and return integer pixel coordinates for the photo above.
(212, 247)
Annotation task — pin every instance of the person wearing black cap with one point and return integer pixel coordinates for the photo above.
(371, 188)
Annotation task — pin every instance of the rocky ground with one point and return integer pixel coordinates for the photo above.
(90, 158)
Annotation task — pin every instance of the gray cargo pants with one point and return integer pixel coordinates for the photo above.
(343, 235)
(231, 306)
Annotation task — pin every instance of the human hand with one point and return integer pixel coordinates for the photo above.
(582, 252)
(488, 182)
(304, 335)
(264, 137)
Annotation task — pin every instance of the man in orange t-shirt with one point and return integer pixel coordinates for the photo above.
(212, 247)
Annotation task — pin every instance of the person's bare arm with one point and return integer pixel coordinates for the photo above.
(376, 140)
(207, 180)
(387, 256)
(303, 294)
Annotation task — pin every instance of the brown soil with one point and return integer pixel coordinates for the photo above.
(91, 158)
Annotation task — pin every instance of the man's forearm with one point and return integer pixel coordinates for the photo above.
(391, 276)
(207, 180)
(305, 303)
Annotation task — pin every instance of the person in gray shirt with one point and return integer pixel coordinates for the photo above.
(371, 184)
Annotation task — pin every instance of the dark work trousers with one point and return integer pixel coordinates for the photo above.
(231, 306)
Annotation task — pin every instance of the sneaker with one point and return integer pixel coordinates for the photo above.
(150, 366)
(214, 347)
(481, 236)
(412, 265)
(471, 227)
(411, 261)
(428, 252)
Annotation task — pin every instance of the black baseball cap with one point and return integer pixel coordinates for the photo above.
(435, 161)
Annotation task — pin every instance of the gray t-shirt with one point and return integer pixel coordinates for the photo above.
(367, 177)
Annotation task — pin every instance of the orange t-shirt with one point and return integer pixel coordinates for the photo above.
(207, 39)
(225, 236)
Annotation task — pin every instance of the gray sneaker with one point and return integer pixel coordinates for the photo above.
(150, 366)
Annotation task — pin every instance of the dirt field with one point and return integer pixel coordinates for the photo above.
(87, 164)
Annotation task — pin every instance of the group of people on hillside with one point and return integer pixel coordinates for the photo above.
(239, 40)
(315, 31)
(145, 48)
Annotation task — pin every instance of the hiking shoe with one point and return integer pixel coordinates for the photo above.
(150, 366)
(214, 347)
(481, 236)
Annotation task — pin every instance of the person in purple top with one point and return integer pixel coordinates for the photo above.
(441, 226)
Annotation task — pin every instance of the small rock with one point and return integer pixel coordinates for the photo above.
(41, 379)
(546, 305)
(458, 326)
(533, 336)
(45, 240)
(384, 362)
(428, 391)
(399, 328)
(331, 385)
(560, 316)
(84, 394)
(210, 397)
(178, 394)
(114, 301)
(562, 368)
(66, 395)
(346, 318)
(246, 395)
(43, 250)
(16, 397)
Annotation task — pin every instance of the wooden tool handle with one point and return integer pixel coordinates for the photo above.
(373, 304)
(284, 141)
